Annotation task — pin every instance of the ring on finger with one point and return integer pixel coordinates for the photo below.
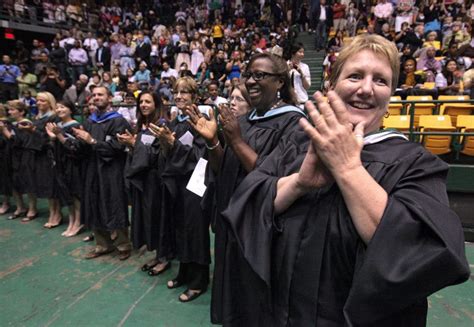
(359, 136)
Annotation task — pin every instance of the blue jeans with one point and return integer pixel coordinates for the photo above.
(320, 35)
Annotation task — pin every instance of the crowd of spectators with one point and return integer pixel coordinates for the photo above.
(434, 38)
(138, 46)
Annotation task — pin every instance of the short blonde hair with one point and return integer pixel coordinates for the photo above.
(18, 105)
(50, 98)
(375, 43)
(189, 84)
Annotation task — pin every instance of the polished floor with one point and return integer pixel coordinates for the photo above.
(45, 282)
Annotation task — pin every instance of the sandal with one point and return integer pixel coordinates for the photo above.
(174, 284)
(153, 272)
(191, 295)
(4, 210)
(30, 218)
(17, 215)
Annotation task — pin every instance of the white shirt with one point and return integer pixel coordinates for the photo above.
(301, 93)
(322, 15)
(219, 100)
(170, 72)
(92, 44)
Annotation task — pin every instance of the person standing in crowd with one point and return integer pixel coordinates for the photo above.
(183, 51)
(183, 148)
(91, 45)
(150, 226)
(218, 67)
(104, 200)
(23, 147)
(26, 81)
(58, 57)
(67, 169)
(383, 12)
(339, 15)
(78, 60)
(142, 50)
(102, 56)
(214, 98)
(6, 183)
(347, 225)
(250, 138)
(322, 16)
(53, 83)
(299, 74)
(197, 56)
(46, 186)
(8, 80)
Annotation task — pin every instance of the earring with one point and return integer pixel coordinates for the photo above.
(387, 114)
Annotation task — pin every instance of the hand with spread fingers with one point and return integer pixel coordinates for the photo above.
(127, 138)
(164, 135)
(230, 125)
(337, 143)
(207, 128)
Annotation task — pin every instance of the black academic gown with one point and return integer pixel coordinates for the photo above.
(150, 226)
(44, 160)
(68, 168)
(24, 145)
(318, 271)
(104, 200)
(6, 183)
(191, 226)
(232, 275)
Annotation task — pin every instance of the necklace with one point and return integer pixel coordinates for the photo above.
(277, 104)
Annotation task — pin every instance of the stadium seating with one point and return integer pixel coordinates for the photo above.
(465, 124)
(424, 106)
(395, 108)
(401, 123)
(436, 144)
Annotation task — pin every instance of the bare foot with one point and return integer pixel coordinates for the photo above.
(74, 231)
(4, 209)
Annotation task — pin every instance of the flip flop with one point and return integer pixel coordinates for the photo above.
(175, 284)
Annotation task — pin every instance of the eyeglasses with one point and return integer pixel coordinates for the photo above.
(257, 76)
(238, 99)
(183, 92)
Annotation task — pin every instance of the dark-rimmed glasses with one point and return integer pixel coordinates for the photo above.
(257, 76)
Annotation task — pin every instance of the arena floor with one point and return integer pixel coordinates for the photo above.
(45, 282)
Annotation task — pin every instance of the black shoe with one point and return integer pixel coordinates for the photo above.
(153, 272)
(175, 284)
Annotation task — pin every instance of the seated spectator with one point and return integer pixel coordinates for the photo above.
(448, 81)
(167, 71)
(184, 71)
(431, 40)
(336, 43)
(94, 80)
(203, 74)
(30, 102)
(129, 110)
(143, 76)
(408, 79)
(214, 98)
(77, 94)
(429, 64)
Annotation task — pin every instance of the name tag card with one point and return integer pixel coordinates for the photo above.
(147, 139)
(196, 182)
(187, 139)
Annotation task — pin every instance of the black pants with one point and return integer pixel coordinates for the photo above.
(194, 275)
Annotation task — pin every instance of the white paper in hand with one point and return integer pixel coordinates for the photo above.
(196, 182)
(147, 139)
(187, 139)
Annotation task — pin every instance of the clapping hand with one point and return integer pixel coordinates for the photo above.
(230, 125)
(164, 135)
(207, 128)
(336, 144)
(83, 135)
(127, 138)
(52, 130)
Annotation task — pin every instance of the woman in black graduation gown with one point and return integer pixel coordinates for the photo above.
(183, 148)
(361, 232)
(273, 118)
(23, 145)
(149, 226)
(67, 168)
(5, 164)
(44, 160)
